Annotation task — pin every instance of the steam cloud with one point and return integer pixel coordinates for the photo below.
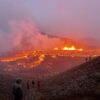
(22, 35)
(19, 32)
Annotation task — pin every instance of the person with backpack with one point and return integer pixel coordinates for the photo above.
(17, 90)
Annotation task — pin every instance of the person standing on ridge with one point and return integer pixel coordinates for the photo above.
(38, 84)
(28, 85)
(17, 90)
(33, 83)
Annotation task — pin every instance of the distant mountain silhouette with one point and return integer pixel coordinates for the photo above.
(88, 43)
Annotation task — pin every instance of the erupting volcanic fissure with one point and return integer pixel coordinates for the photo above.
(72, 48)
(24, 38)
(41, 54)
(21, 39)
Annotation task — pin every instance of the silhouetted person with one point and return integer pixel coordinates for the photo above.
(28, 85)
(17, 90)
(33, 83)
(86, 59)
(38, 84)
(90, 58)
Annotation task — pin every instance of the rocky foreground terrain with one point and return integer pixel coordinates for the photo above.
(80, 83)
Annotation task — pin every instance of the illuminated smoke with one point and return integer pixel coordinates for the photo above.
(19, 32)
(23, 35)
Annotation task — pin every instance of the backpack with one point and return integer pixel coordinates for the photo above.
(17, 91)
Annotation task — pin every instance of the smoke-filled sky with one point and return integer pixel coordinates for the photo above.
(70, 18)
(78, 19)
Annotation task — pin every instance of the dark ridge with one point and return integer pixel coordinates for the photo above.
(80, 82)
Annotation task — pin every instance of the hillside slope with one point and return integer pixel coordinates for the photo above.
(80, 83)
(75, 84)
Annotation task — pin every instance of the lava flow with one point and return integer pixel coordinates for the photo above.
(41, 54)
(72, 48)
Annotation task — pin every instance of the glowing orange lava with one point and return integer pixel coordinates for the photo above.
(69, 48)
(26, 55)
(72, 48)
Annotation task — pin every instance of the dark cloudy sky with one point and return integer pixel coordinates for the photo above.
(79, 19)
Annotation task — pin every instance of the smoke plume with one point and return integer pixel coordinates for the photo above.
(19, 32)
(23, 35)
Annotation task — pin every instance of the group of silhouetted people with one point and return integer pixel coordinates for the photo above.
(30, 84)
(18, 90)
(88, 59)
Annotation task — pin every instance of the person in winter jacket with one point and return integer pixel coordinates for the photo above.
(17, 90)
